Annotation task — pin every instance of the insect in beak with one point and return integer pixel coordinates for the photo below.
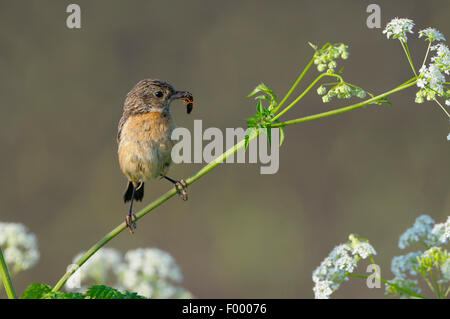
(186, 97)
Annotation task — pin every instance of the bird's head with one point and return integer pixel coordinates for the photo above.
(152, 95)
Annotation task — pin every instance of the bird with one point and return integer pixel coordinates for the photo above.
(144, 138)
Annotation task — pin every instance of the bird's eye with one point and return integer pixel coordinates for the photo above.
(159, 94)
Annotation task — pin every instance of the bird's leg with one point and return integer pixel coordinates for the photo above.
(180, 186)
(130, 220)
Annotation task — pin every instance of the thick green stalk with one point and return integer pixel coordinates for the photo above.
(6, 278)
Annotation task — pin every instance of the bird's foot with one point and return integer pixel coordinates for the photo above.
(181, 188)
(130, 221)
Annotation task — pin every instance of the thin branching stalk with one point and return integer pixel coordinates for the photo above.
(300, 77)
(6, 278)
(344, 109)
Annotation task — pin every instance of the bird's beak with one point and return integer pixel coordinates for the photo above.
(187, 97)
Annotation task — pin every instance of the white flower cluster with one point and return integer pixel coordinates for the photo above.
(150, 272)
(398, 28)
(425, 230)
(334, 269)
(432, 236)
(326, 58)
(404, 264)
(20, 248)
(422, 226)
(431, 35)
(431, 78)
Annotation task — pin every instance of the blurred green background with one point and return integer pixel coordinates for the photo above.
(241, 234)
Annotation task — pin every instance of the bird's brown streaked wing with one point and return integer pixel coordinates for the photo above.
(122, 121)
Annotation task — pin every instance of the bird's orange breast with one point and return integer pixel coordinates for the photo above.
(145, 145)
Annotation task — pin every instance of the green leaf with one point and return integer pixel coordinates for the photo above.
(313, 46)
(132, 295)
(63, 295)
(103, 292)
(281, 135)
(36, 291)
(262, 88)
(247, 137)
(263, 97)
(259, 107)
(247, 140)
(270, 95)
(381, 101)
(269, 133)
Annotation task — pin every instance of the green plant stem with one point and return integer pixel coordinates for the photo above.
(442, 107)
(426, 54)
(411, 293)
(343, 109)
(408, 55)
(304, 93)
(207, 168)
(300, 77)
(6, 278)
(436, 286)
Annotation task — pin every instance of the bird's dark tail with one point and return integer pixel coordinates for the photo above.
(138, 193)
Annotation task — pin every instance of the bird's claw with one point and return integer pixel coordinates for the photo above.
(130, 221)
(181, 187)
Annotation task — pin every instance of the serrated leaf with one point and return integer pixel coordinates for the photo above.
(264, 89)
(36, 291)
(132, 295)
(103, 292)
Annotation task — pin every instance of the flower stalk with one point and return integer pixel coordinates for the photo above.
(6, 278)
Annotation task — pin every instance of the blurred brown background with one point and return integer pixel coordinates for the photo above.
(241, 234)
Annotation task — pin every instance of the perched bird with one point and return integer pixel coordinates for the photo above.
(144, 138)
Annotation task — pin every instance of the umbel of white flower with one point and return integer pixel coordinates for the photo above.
(342, 260)
(20, 247)
(426, 231)
(431, 236)
(398, 28)
(431, 78)
(150, 272)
